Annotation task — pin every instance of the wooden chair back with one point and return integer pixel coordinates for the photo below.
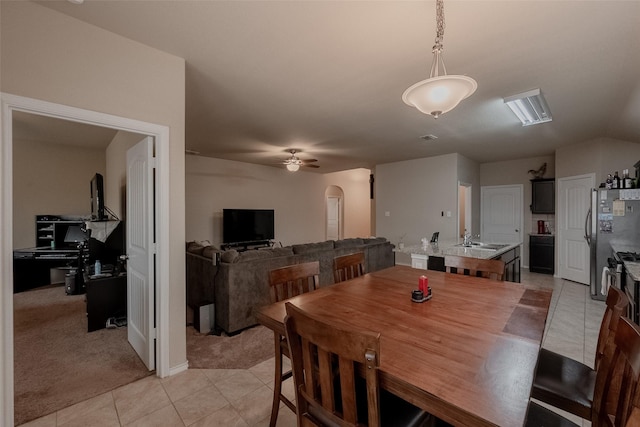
(348, 267)
(616, 390)
(616, 306)
(488, 268)
(287, 282)
(316, 347)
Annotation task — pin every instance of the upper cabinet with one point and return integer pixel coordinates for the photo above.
(543, 196)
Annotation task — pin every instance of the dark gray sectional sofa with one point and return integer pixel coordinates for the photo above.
(238, 283)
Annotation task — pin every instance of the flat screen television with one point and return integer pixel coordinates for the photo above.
(247, 225)
(97, 198)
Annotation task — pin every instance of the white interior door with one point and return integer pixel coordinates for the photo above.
(574, 200)
(140, 227)
(333, 218)
(501, 214)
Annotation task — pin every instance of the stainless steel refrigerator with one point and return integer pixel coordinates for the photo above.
(610, 220)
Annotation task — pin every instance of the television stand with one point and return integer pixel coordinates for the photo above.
(245, 246)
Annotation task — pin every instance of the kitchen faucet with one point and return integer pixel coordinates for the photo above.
(466, 238)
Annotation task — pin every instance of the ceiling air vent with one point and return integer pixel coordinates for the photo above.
(429, 137)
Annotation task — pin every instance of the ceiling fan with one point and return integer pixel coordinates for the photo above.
(293, 163)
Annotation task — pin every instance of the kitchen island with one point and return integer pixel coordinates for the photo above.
(431, 256)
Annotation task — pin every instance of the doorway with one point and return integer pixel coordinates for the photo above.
(334, 197)
(11, 103)
(464, 209)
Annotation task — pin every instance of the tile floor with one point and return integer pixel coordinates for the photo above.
(242, 397)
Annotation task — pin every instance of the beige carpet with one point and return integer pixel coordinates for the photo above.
(57, 363)
(241, 351)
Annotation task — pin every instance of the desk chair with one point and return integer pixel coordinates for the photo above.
(568, 384)
(348, 267)
(284, 283)
(487, 268)
(327, 360)
(616, 389)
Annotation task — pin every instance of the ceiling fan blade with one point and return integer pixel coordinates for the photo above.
(309, 160)
(311, 166)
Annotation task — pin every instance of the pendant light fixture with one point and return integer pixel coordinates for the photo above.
(440, 92)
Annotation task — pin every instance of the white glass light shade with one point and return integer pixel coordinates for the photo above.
(293, 167)
(437, 95)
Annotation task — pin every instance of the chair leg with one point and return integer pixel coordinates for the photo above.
(277, 382)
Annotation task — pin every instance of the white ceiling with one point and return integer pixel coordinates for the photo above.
(326, 77)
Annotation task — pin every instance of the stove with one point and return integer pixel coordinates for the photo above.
(630, 286)
(628, 256)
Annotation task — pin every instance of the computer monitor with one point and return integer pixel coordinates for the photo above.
(75, 234)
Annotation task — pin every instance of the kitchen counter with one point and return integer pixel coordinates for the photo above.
(431, 256)
(632, 267)
(454, 247)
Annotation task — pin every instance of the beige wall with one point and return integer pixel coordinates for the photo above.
(297, 198)
(600, 156)
(50, 179)
(414, 193)
(53, 57)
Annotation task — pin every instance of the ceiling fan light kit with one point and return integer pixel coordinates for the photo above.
(293, 163)
(439, 93)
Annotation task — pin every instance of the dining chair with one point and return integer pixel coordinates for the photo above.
(329, 363)
(569, 384)
(284, 283)
(487, 268)
(616, 389)
(347, 267)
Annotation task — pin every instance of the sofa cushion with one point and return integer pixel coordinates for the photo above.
(253, 255)
(374, 240)
(210, 251)
(286, 251)
(313, 247)
(229, 256)
(196, 247)
(348, 243)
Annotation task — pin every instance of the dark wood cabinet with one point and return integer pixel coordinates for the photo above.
(511, 264)
(106, 297)
(542, 254)
(543, 196)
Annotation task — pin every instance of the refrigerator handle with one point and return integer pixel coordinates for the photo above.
(587, 231)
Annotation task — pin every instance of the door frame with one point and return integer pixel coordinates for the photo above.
(160, 133)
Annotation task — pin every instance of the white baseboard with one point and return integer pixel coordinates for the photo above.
(179, 368)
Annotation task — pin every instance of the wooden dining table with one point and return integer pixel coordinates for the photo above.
(467, 355)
